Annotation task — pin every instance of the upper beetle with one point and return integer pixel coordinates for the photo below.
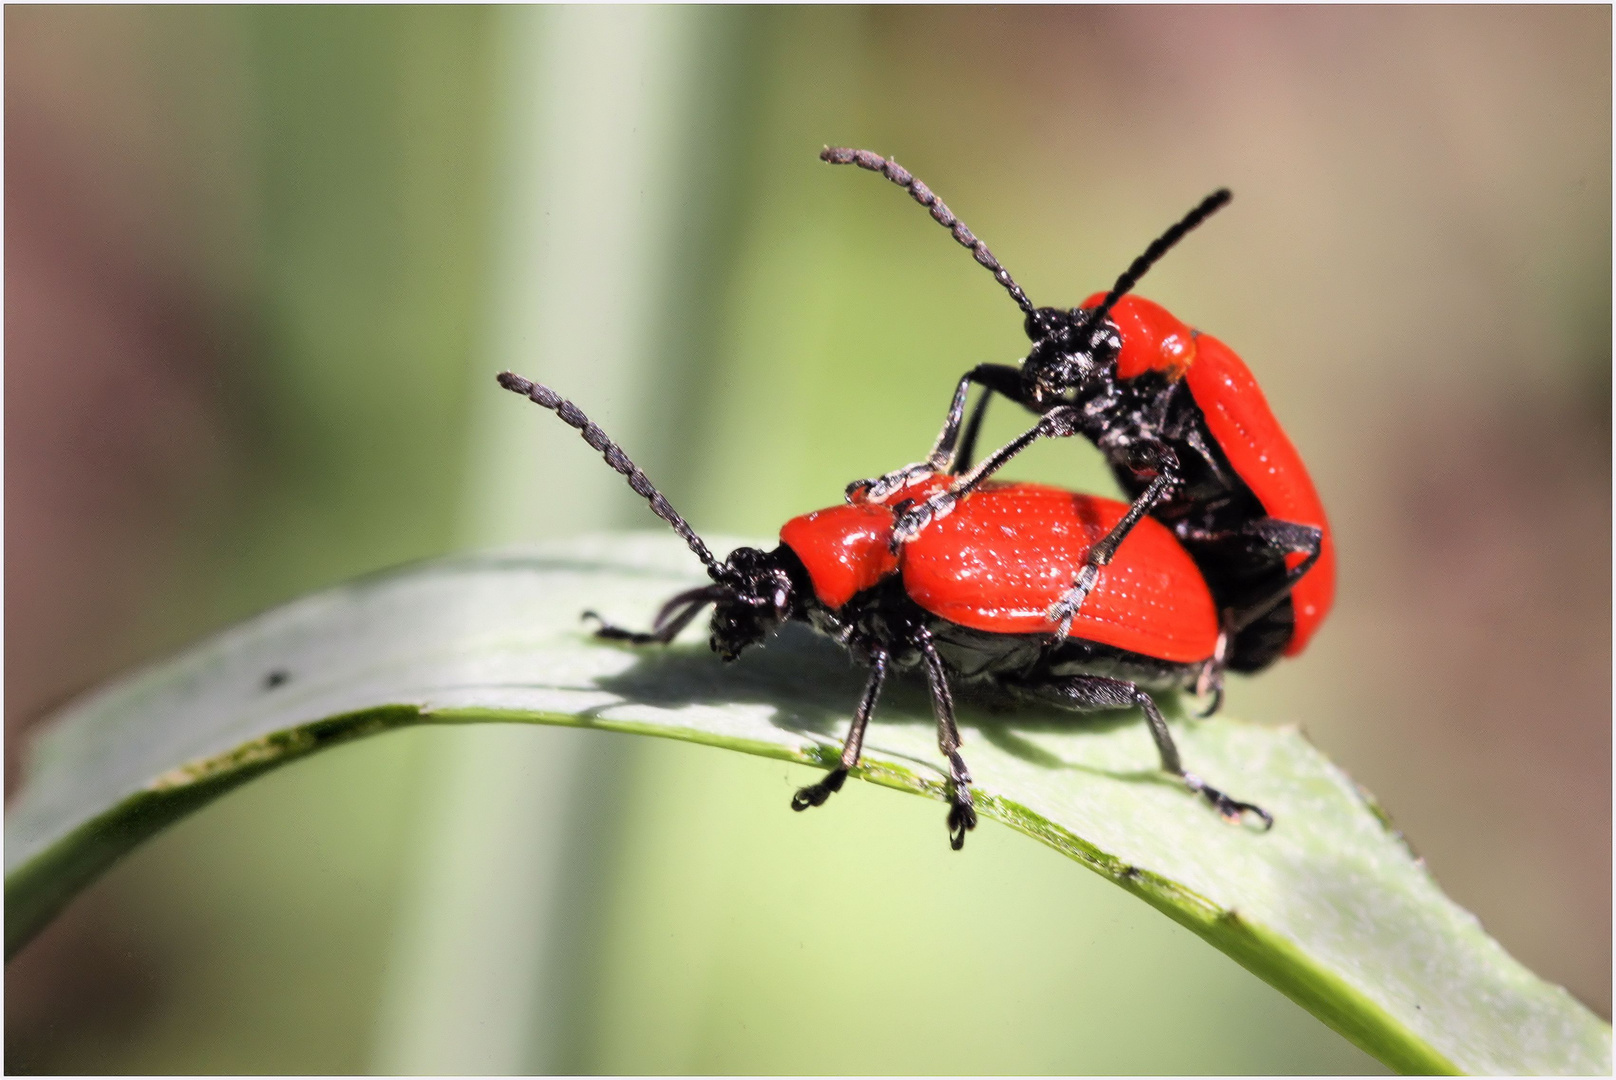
(1183, 425)
(967, 600)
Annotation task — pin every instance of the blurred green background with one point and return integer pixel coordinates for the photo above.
(262, 264)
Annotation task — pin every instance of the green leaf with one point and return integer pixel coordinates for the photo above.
(1330, 906)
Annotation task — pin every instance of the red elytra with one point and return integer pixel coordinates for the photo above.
(1008, 552)
(1237, 414)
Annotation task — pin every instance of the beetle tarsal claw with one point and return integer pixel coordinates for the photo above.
(1231, 810)
(910, 522)
(882, 487)
(908, 525)
(1063, 629)
(816, 794)
(961, 820)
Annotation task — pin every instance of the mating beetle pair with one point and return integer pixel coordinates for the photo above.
(965, 600)
(934, 566)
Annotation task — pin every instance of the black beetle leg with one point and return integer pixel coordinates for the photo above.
(1084, 693)
(1159, 457)
(816, 794)
(675, 615)
(962, 808)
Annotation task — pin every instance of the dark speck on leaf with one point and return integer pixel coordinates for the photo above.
(276, 678)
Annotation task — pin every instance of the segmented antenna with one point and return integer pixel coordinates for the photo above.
(570, 414)
(1158, 247)
(865, 159)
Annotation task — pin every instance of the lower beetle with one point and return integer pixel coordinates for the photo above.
(966, 600)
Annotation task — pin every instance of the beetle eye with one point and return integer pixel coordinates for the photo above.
(1044, 322)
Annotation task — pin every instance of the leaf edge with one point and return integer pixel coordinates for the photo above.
(41, 886)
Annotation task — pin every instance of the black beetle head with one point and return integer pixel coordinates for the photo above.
(1046, 322)
(1066, 352)
(756, 596)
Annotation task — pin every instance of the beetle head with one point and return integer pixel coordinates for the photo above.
(1067, 353)
(755, 594)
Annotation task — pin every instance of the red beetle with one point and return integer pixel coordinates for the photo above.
(1183, 425)
(967, 600)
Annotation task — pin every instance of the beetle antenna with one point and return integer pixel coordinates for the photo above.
(1158, 247)
(865, 159)
(570, 414)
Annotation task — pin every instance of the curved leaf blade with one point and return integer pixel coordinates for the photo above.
(1330, 907)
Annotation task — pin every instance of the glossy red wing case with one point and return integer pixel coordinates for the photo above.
(1009, 551)
(1240, 420)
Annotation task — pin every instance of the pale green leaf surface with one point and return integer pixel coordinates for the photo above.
(1330, 907)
